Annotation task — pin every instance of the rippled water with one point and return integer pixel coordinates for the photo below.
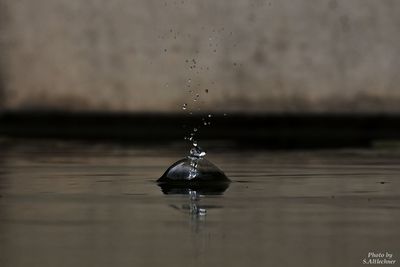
(76, 204)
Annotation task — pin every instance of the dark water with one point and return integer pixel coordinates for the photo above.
(74, 204)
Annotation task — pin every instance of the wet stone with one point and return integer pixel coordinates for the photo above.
(194, 173)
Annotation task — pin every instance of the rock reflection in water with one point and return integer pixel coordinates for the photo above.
(196, 211)
(194, 208)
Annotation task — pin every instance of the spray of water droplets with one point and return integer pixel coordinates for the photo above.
(197, 82)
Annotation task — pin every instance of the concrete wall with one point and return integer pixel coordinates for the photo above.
(251, 55)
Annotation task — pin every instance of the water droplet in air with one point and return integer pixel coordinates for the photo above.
(195, 129)
(209, 115)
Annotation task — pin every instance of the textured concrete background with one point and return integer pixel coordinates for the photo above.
(251, 55)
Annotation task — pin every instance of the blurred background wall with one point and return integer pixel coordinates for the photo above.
(238, 55)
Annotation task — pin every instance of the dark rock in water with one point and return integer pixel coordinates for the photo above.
(193, 173)
(193, 170)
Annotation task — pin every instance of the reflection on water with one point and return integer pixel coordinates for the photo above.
(74, 204)
(194, 209)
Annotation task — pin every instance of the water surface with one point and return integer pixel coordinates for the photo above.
(78, 204)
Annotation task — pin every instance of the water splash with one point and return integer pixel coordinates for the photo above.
(195, 168)
(196, 152)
